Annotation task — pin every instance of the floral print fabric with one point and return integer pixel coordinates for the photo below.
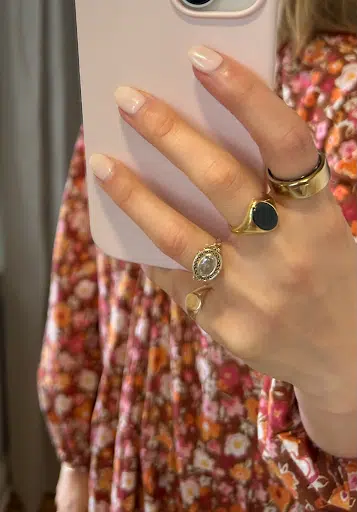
(132, 390)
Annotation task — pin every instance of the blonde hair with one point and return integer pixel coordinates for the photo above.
(302, 20)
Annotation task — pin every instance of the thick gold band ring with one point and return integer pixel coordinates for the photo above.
(195, 301)
(306, 186)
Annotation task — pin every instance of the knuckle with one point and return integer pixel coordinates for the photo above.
(175, 244)
(125, 191)
(160, 121)
(296, 141)
(224, 177)
(299, 274)
(246, 89)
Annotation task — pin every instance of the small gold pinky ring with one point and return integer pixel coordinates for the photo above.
(195, 301)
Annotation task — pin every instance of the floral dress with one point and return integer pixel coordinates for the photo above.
(133, 391)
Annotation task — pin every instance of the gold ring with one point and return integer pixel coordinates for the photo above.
(195, 301)
(306, 186)
(262, 217)
(208, 262)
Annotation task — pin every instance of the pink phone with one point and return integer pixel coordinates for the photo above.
(144, 43)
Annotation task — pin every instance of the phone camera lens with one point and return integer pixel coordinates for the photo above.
(197, 4)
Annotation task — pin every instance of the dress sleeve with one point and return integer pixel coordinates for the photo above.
(341, 151)
(317, 480)
(70, 365)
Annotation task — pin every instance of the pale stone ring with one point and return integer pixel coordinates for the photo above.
(205, 267)
(208, 263)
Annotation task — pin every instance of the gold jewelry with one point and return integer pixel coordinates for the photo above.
(262, 217)
(208, 262)
(195, 301)
(306, 186)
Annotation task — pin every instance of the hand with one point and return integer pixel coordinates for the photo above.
(72, 490)
(285, 301)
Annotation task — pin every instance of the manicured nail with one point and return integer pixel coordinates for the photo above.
(204, 59)
(129, 100)
(102, 166)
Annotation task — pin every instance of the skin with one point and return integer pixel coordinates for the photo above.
(72, 490)
(277, 302)
(285, 285)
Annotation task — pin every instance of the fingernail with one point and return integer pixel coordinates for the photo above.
(102, 166)
(204, 59)
(145, 268)
(129, 100)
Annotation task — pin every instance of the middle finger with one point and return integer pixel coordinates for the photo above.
(213, 170)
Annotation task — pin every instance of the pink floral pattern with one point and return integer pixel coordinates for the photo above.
(161, 416)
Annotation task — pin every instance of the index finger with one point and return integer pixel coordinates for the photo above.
(283, 137)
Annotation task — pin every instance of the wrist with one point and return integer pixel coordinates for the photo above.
(339, 404)
(328, 427)
(341, 400)
(73, 469)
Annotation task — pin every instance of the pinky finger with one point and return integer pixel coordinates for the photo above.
(178, 284)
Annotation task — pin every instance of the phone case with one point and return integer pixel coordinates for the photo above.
(144, 43)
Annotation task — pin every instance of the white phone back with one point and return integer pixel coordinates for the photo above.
(144, 43)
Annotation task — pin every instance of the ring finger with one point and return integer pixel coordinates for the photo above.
(171, 232)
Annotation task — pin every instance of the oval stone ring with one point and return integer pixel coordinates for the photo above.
(208, 262)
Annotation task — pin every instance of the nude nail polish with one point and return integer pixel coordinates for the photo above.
(204, 59)
(102, 166)
(130, 100)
